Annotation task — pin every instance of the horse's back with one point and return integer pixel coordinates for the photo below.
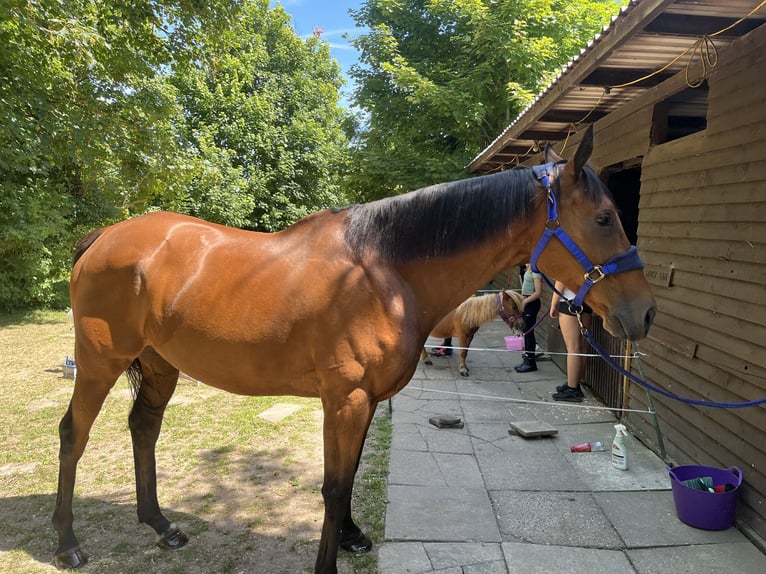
(207, 297)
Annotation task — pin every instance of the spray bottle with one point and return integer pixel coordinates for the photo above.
(619, 450)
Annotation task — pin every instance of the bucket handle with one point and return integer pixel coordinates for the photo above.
(737, 471)
(672, 474)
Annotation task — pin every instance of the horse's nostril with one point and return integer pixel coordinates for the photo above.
(649, 319)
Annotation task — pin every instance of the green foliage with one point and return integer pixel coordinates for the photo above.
(440, 79)
(110, 109)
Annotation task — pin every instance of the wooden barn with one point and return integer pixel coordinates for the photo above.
(676, 92)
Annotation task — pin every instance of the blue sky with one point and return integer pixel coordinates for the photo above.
(333, 17)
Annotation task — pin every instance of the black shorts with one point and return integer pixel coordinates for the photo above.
(564, 309)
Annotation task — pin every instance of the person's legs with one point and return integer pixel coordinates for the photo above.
(529, 364)
(576, 362)
(445, 350)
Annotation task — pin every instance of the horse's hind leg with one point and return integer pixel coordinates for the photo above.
(156, 380)
(91, 388)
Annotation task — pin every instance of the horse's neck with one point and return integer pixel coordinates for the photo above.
(441, 284)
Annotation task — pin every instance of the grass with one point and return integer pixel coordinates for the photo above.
(246, 490)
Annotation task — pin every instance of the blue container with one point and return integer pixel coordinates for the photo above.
(700, 508)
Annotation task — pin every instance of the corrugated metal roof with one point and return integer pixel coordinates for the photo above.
(647, 43)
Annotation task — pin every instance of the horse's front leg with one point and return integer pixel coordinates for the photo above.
(157, 380)
(424, 357)
(346, 421)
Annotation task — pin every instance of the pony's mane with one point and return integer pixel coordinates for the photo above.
(480, 309)
(442, 218)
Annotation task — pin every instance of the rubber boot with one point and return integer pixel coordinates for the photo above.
(528, 365)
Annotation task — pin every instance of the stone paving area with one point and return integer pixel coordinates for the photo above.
(479, 500)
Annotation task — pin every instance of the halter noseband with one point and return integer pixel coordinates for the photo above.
(625, 261)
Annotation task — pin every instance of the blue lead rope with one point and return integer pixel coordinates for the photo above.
(648, 386)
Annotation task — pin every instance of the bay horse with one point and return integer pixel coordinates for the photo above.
(337, 306)
(464, 321)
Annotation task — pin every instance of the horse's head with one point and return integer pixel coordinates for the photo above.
(581, 212)
(511, 310)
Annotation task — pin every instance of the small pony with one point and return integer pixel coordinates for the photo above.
(464, 321)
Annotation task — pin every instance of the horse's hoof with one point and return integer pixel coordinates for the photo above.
(428, 362)
(464, 373)
(173, 539)
(358, 544)
(70, 559)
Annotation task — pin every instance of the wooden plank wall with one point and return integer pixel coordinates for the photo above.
(702, 235)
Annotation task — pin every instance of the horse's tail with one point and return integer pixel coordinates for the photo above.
(85, 243)
(135, 377)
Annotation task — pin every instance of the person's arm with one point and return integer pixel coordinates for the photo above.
(536, 295)
(555, 298)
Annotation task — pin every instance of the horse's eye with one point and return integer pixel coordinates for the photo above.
(605, 218)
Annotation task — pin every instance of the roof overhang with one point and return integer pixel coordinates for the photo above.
(647, 43)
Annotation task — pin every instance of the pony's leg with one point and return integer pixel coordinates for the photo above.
(345, 428)
(465, 341)
(91, 387)
(157, 381)
(424, 357)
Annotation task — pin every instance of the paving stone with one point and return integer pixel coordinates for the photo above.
(557, 518)
(440, 514)
(732, 557)
(543, 559)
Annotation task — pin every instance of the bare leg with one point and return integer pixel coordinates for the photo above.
(576, 347)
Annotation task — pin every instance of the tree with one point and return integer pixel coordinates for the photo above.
(270, 100)
(110, 109)
(440, 79)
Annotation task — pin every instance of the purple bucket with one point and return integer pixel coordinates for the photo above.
(700, 508)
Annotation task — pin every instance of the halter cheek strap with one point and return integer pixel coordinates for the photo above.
(625, 261)
(504, 315)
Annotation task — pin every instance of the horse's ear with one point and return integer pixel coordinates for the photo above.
(550, 154)
(583, 153)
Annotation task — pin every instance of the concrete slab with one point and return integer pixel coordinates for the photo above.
(467, 557)
(532, 428)
(434, 469)
(279, 412)
(404, 557)
(526, 467)
(440, 514)
(553, 518)
(648, 519)
(542, 559)
(742, 558)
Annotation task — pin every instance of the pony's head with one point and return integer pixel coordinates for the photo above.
(511, 310)
(581, 208)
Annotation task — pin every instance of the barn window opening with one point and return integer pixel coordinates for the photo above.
(680, 115)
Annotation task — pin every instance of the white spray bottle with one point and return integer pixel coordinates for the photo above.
(619, 450)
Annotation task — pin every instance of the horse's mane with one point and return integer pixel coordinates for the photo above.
(476, 311)
(442, 218)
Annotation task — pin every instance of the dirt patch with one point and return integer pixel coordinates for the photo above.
(246, 490)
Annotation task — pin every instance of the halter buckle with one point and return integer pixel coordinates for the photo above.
(595, 275)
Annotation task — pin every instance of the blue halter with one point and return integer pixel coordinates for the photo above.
(625, 261)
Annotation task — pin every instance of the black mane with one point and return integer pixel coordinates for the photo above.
(442, 218)
(448, 217)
